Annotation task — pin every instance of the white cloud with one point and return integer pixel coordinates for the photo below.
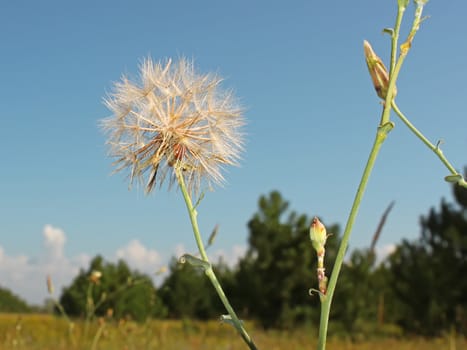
(179, 250)
(139, 257)
(26, 276)
(12, 268)
(54, 242)
(231, 257)
(384, 251)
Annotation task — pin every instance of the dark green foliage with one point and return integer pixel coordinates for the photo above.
(429, 275)
(126, 293)
(421, 286)
(187, 292)
(280, 266)
(362, 298)
(10, 302)
(460, 193)
(356, 287)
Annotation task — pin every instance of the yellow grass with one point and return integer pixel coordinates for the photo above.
(54, 333)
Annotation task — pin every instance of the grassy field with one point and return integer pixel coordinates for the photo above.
(49, 332)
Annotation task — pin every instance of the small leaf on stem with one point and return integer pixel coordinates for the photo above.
(194, 261)
(453, 178)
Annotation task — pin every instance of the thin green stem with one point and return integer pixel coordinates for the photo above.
(394, 68)
(62, 310)
(434, 148)
(405, 47)
(64, 315)
(327, 299)
(97, 337)
(89, 310)
(395, 37)
(209, 271)
(385, 126)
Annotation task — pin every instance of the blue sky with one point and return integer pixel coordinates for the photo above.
(311, 112)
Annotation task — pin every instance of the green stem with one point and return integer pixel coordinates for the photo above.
(209, 271)
(327, 299)
(395, 38)
(434, 148)
(97, 337)
(385, 126)
(405, 47)
(89, 310)
(65, 316)
(394, 69)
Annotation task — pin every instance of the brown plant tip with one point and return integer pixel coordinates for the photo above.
(378, 72)
(50, 285)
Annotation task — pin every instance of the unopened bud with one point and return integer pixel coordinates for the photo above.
(378, 72)
(95, 276)
(318, 235)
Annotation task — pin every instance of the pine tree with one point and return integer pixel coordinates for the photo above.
(428, 275)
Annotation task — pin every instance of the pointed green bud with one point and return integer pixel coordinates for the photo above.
(318, 235)
(378, 72)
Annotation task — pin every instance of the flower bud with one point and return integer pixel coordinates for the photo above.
(95, 276)
(378, 72)
(318, 235)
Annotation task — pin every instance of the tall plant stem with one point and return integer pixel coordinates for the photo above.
(326, 300)
(435, 148)
(209, 271)
(384, 128)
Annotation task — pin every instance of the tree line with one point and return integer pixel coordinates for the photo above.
(420, 288)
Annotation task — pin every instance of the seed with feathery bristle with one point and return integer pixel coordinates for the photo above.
(173, 117)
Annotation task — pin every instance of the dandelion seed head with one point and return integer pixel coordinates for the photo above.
(173, 117)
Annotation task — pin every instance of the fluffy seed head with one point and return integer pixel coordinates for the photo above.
(173, 117)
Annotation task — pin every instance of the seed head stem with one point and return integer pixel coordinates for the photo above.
(202, 251)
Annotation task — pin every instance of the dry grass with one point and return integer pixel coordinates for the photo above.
(52, 333)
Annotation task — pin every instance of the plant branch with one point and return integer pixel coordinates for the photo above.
(435, 148)
(384, 128)
(395, 37)
(209, 271)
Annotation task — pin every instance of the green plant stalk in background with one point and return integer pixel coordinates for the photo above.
(97, 336)
(207, 266)
(90, 309)
(62, 311)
